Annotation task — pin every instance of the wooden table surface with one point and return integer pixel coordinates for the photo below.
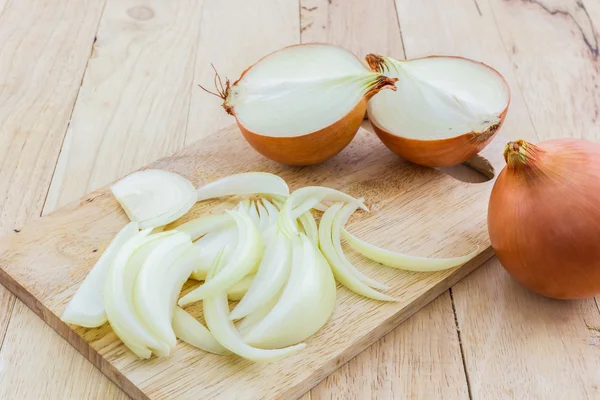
(91, 90)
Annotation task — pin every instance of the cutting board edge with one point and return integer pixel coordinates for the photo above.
(292, 392)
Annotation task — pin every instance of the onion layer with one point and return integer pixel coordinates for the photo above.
(191, 331)
(544, 217)
(446, 109)
(245, 183)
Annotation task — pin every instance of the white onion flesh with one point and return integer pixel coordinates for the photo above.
(243, 260)
(272, 274)
(405, 261)
(154, 197)
(439, 98)
(299, 90)
(340, 270)
(208, 246)
(305, 305)
(310, 227)
(157, 280)
(191, 331)
(336, 231)
(244, 183)
(216, 314)
(204, 224)
(118, 296)
(86, 307)
(239, 290)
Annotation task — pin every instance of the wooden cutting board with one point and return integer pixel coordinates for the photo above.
(414, 209)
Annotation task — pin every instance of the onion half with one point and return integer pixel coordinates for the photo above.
(446, 109)
(304, 103)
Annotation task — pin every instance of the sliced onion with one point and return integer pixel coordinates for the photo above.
(118, 296)
(86, 307)
(302, 104)
(305, 305)
(244, 259)
(310, 227)
(191, 331)
(154, 197)
(272, 274)
(157, 280)
(446, 109)
(216, 314)
(237, 291)
(404, 261)
(208, 246)
(338, 222)
(204, 224)
(340, 269)
(258, 315)
(245, 183)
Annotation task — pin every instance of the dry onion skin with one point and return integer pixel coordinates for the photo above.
(302, 104)
(544, 217)
(444, 111)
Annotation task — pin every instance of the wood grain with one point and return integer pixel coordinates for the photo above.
(382, 370)
(399, 195)
(111, 133)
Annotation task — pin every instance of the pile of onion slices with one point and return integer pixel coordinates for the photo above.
(267, 254)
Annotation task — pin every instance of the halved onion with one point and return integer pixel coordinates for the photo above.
(162, 274)
(191, 331)
(344, 273)
(86, 307)
(305, 305)
(154, 197)
(404, 261)
(304, 103)
(216, 314)
(244, 183)
(272, 274)
(446, 109)
(118, 296)
(244, 258)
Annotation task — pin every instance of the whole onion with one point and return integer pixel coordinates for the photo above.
(544, 217)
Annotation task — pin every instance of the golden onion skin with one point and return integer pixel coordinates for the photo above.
(544, 217)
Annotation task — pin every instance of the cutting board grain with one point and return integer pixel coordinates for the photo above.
(413, 209)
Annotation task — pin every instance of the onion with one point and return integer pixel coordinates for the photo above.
(204, 224)
(273, 272)
(245, 183)
(305, 305)
(405, 261)
(86, 307)
(216, 314)
(158, 283)
(544, 217)
(191, 331)
(239, 290)
(154, 197)
(118, 296)
(304, 103)
(246, 256)
(345, 273)
(208, 246)
(446, 109)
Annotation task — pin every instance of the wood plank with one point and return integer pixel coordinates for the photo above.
(403, 364)
(131, 109)
(42, 59)
(553, 48)
(233, 36)
(402, 197)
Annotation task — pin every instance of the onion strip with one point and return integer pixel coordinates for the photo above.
(191, 331)
(404, 261)
(239, 290)
(244, 183)
(204, 224)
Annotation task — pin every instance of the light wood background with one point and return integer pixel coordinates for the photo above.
(90, 90)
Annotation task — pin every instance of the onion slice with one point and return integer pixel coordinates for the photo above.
(305, 305)
(163, 273)
(405, 261)
(86, 307)
(216, 314)
(191, 331)
(239, 290)
(118, 296)
(310, 227)
(204, 224)
(244, 259)
(340, 270)
(244, 183)
(208, 246)
(154, 197)
(272, 275)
